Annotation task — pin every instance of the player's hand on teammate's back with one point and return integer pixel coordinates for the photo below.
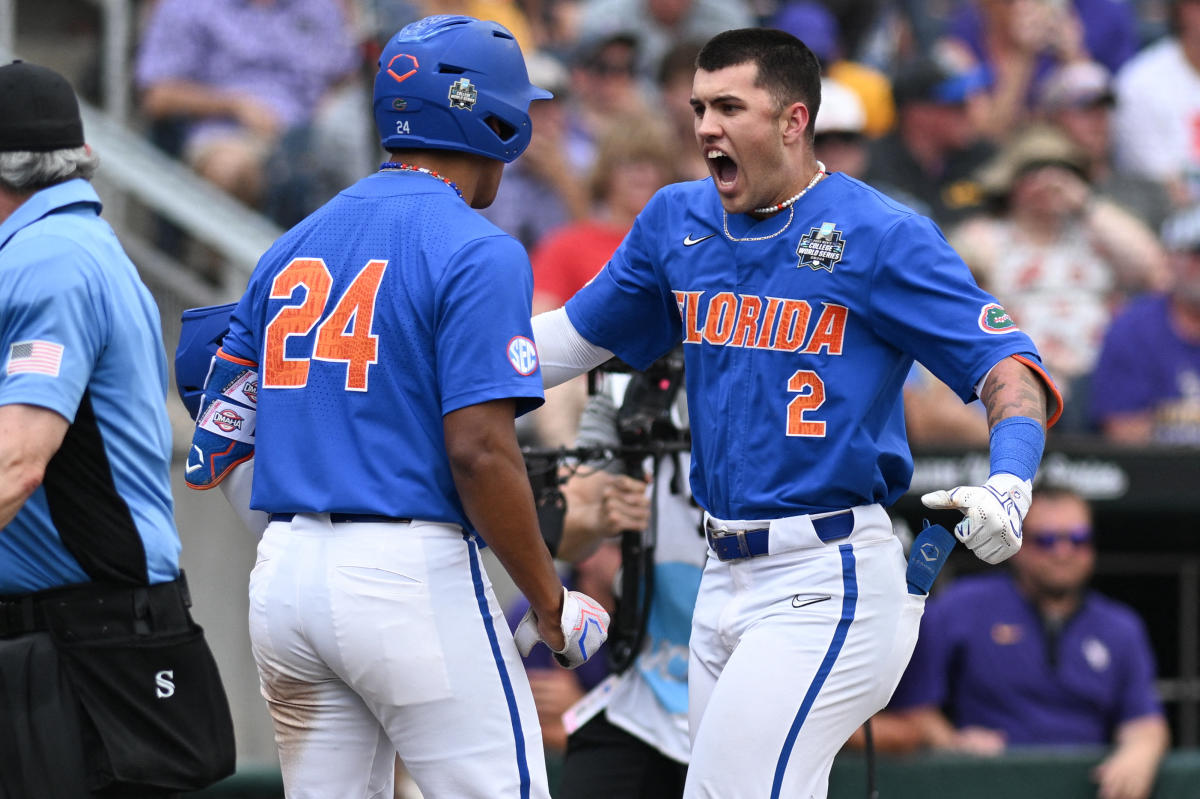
(992, 514)
(583, 627)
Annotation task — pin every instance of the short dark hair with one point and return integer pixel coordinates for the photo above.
(1057, 491)
(787, 69)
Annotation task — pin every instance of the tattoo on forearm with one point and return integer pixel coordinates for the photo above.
(1014, 392)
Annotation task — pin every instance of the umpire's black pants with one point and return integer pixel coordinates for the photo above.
(41, 741)
(604, 761)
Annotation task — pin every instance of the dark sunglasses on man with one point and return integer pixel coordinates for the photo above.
(1047, 540)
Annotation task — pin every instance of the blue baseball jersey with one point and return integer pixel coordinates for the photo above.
(388, 308)
(80, 335)
(798, 331)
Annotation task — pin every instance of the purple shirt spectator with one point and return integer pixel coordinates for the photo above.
(1073, 688)
(1109, 34)
(285, 53)
(1155, 369)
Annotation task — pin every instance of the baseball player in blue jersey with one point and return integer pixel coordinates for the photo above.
(373, 370)
(802, 299)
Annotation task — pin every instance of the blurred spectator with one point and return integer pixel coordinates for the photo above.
(658, 24)
(251, 82)
(1148, 373)
(1078, 98)
(930, 161)
(1158, 102)
(542, 189)
(838, 139)
(1032, 657)
(1020, 41)
(385, 17)
(814, 24)
(675, 75)
(636, 158)
(603, 86)
(1057, 256)
(934, 415)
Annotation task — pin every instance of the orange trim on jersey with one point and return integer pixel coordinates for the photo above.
(1036, 367)
(222, 354)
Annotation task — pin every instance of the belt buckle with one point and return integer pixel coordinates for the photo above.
(719, 533)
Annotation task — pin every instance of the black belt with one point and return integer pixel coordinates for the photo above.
(738, 544)
(346, 517)
(75, 609)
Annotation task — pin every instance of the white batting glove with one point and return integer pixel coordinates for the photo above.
(992, 514)
(584, 626)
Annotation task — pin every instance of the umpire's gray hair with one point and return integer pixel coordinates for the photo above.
(23, 170)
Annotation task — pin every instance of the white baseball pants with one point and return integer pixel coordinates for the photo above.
(790, 653)
(378, 638)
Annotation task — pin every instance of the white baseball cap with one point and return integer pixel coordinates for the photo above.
(841, 111)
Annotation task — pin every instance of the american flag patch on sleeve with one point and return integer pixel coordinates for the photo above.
(41, 357)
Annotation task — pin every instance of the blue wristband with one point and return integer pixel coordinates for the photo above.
(1016, 446)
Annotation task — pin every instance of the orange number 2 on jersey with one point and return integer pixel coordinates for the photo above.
(345, 336)
(812, 396)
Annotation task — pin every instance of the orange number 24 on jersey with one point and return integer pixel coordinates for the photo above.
(345, 336)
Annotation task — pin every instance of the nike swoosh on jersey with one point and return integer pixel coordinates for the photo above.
(804, 600)
(688, 241)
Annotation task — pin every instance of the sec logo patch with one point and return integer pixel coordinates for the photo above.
(522, 354)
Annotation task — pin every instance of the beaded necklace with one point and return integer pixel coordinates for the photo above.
(399, 166)
(770, 209)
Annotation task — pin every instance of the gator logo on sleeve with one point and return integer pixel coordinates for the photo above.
(994, 319)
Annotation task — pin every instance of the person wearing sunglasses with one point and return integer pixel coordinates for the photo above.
(1034, 657)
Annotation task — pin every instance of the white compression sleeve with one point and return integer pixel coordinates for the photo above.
(562, 351)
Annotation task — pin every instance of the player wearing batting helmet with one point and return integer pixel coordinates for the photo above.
(802, 299)
(373, 370)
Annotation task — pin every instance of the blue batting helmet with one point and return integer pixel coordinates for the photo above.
(200, 334)
(444, 81)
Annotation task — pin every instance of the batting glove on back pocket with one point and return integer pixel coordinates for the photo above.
(584, 626)
(992, 514)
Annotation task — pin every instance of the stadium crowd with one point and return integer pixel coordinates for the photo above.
(1050, 141)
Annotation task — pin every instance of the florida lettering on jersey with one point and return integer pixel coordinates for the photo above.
(725, 319)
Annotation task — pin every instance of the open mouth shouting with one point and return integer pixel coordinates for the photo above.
(723, 168)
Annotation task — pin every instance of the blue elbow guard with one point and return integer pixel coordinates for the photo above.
(927, 557)
(224, 435)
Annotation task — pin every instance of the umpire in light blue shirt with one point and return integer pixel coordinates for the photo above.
(106, 684)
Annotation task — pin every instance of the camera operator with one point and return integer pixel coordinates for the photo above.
(629, 736)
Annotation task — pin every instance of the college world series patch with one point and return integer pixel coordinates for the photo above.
(821, 247)
(463, 94)
(994, 319)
